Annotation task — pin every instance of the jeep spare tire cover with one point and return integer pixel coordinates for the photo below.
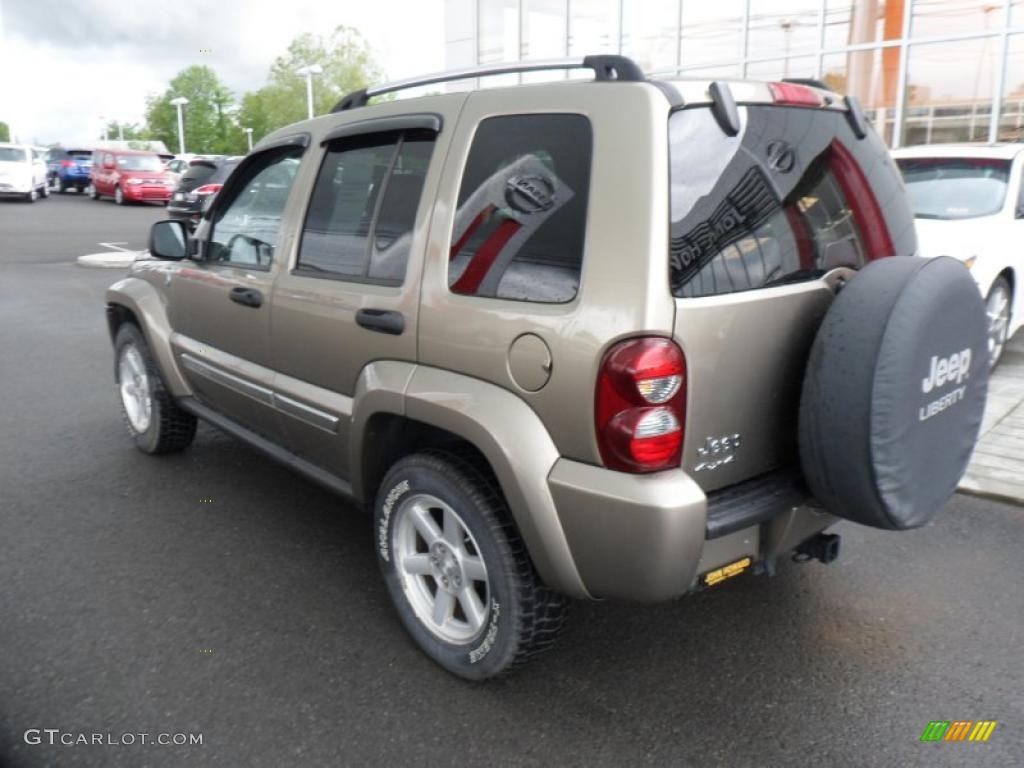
(894, 392)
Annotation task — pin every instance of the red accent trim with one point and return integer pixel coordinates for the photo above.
(866, 210)
(474, 225)
(802, 235)
(483, 259)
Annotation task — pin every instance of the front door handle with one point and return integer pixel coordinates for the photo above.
(248, 297)
(381, 320)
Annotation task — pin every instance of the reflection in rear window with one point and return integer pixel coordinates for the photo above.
(791, 197)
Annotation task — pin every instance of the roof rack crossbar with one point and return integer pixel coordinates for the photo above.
(605, 67)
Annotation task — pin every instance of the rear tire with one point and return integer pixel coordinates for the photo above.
(997, 308)
(154, 421)
(458, 573)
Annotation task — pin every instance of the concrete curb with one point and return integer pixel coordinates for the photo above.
(109, 259)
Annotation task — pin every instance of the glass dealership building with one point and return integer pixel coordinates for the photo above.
(926, 71)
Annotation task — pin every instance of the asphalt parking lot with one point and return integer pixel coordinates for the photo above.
(215, 593)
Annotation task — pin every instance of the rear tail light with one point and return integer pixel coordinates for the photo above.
(795, 94)
(640, 406)
(66, 163)
(208, 189)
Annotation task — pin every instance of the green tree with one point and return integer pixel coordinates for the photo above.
(5, 132)
(347, 63)
(210, 127)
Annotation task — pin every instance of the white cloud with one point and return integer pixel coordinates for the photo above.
(65, 64)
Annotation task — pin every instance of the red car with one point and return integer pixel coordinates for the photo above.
(129, 176)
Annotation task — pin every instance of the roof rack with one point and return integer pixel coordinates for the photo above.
(606, 67)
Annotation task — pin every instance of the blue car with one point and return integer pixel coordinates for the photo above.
(68, 168)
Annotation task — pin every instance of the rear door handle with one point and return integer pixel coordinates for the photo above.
(248, 297)
(381, 320)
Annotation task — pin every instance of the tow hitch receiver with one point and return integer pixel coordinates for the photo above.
(823, 547)
(726, 572)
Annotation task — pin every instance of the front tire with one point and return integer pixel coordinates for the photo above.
(155, 422)
(997, 308)
(32, 196)
(456, 569)
(93, 194)
(118, 195)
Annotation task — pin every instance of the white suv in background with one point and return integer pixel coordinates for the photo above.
(968, 203)
(22, 172)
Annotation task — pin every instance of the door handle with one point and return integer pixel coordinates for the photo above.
(381, 320)
(248, 297)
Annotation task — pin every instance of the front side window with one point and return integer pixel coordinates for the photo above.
(246, 226)
(522, 208)
(361, 216)
(955, 187)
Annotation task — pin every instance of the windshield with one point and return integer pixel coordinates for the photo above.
(955, 187)
(139, 163)
(12, 155)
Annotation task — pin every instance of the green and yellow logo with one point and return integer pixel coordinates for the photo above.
(958, 730)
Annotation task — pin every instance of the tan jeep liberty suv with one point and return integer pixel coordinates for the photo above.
(593, 338)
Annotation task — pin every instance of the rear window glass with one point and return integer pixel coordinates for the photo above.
(791, 197)
(224, 170)
(80, 153)
(955, 187)
(522, 208)
(198, 172)
(12, 155)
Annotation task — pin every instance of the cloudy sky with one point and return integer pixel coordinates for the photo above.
(64, 63)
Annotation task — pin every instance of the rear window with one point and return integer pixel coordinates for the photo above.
(522, 209)
(84, 154)
(198, 172)
(224, 170)
(791, 197)
(955, 187)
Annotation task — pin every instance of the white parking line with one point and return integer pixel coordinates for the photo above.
(115, 246)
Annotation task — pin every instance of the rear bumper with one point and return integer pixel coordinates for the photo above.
(650, 537)
(73, 177)
(147, 194)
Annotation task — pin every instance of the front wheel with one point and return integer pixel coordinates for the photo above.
(997, 307)
(32, 196)
(155, 422)
(118, 195)
(93, 194)
(457, 571)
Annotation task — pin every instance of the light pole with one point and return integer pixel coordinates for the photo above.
(310, 70)
(103, 123)
(248, 135)
(179, 103)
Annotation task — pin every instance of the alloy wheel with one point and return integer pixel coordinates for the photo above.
(441, 569)
(134, 385)
(997, 307)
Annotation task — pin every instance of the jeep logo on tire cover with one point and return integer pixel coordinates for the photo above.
(530, 194)
(781, 156)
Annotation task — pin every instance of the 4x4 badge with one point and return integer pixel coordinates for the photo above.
(530, 194)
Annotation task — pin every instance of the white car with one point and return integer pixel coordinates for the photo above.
(968, 203)
(22, 172)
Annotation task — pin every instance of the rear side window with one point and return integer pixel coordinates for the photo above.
(793, 196)
(955, 187)
(522, 209)
(360, 221)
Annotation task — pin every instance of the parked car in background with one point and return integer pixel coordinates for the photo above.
(69, 168)
(968, 202)
(130, 176)
(199, 184)
(175, 167)
(22, 172)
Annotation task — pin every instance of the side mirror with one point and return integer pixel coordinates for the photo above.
(168, 240)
